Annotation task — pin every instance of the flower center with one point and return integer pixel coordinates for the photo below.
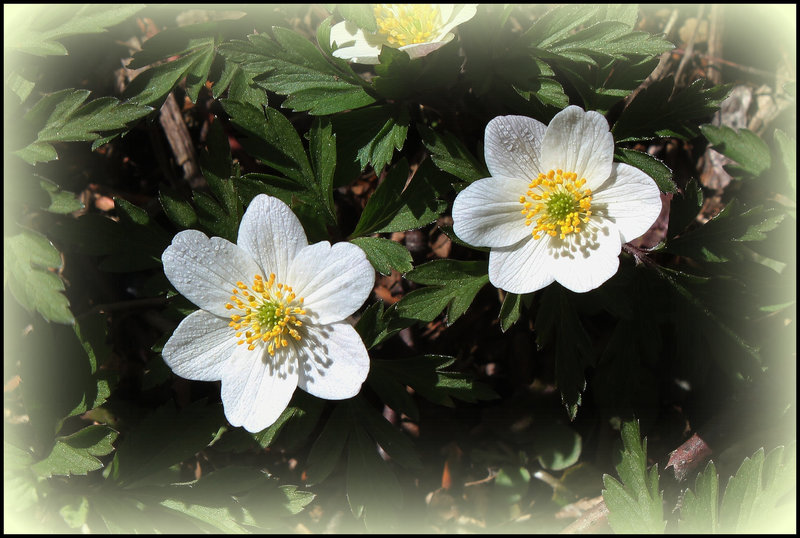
(266, 314)
(557, 204)
(405, 24)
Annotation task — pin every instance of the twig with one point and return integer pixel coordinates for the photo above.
(714, 44)
(689, 46)
(662, 62)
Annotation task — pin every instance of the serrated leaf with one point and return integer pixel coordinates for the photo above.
(29, 36)
(373, 491)
(606, 39)
(164, 438)
(385, 254)
(26, 258)
(745, 147)
(699, 509)
(291, 65)
(751, 499)
(635, 505)
(177, 208)
(61, 202)
(369, 135)
(327, 449)
(322, 151)
(374, 326)
(361, 15)
(510, 310)
(651, 166)
(654, 113)
(75, 454)
(452, 284)
(429, 378)
(718, 240)
(557, 323)
(61, 117)
(397, 445)
(450, 155)
(153, 85)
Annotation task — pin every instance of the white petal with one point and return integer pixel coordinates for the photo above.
(353, 44)
(453, 15)
(333, 361)
(272, 234)
(487, 212)
(584, 267)
(632, 200)
(333, 281)
(418, 50)
(205, 271)
(579, 142)
(200, 347)
(256, 387)
(512, 147)
(521, 268)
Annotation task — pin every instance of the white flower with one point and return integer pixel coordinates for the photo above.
(418, 29)
(555, 207)
(272, 311)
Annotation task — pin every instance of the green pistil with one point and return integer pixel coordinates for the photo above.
(560, 205)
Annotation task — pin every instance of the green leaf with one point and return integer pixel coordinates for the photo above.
(635, 505)
(385, 254)
(61, 202)
(558, 23)
(654, 113)
(373, 491)
(164, 438)
(374, 326)
(752, 499)
(699, 509)
(651, 166)
(557, 323)
(75, 454)
(421, 202)
(327, 449)
(26, 259)
(428, 376)
(322, 150)
(401, 78)
(361, 15)
(61, 117)
(451, 284)
(557, 446)
(745, 147)
(606, 39)
(720, 238)
(512, 308)
(384, 202)
(152, 86)
(396, 444)
(370, 135)
(291, 65)
(450, 155)
(177, 208)
(36, 32)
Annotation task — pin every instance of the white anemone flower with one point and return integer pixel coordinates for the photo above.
(272, 311)
(556, 206)
(417, 29)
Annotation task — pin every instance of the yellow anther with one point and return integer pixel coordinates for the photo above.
(556, 203)
(267, 313)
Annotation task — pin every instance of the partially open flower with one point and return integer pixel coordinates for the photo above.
(272, 311)
(556, 206)
(417, 29)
